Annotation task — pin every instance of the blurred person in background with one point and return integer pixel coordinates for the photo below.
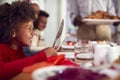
(38, 42)
(36, 8)
(117, 33)
(80, 9)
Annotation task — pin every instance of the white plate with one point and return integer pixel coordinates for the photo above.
(44, 73)
(100, 21)
(67, 54)
(107, 70)
(67, 47)
(85, 56)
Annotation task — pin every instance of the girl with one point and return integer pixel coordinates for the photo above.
(16, 31)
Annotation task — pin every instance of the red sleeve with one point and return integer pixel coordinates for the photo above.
(10, 69)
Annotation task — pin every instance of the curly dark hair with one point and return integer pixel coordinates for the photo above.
(11, 15)
(41, 13)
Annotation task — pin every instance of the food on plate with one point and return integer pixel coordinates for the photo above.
(101, 15)
(76, 74)
(101, 42)
(70, 43)
(114, 17)
(66, 73)
(117, 61)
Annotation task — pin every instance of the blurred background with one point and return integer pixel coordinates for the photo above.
(58, 10)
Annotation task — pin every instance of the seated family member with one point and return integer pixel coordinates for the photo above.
(36, 8)
(16, 31)
(38, 42)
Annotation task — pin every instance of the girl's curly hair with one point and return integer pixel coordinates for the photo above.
(11, 15)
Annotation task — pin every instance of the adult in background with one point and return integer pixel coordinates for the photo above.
(38, 42)
(36, 8)
(79, 9)
(117, 34)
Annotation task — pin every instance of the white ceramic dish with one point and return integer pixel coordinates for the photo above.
(68, 46)
(85, 56)
(100, 21)
(67, 54)
(43, 73)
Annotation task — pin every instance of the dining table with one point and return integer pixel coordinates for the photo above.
(83, 62)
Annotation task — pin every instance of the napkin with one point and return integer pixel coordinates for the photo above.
(53, 60)
(113, 53)
(100, 54)
(105, 54)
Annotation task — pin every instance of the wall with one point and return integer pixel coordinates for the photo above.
(57, 11)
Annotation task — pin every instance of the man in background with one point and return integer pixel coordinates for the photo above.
(35, 7)
(80, 9)
(117, 33)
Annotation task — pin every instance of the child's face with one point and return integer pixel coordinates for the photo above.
(42, 23)
(36, 9)
(24, 33)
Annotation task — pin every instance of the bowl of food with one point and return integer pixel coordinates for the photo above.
(65, 73)
(100, 17)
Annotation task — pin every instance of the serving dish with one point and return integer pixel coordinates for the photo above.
(100, 21)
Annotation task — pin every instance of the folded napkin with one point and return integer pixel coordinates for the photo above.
(29, 69)
(53, 60)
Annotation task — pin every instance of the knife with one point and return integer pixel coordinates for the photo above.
(59, 33)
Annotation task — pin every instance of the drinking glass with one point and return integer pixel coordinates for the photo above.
(82, 51)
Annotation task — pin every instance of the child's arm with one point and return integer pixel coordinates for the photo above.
(11, 69)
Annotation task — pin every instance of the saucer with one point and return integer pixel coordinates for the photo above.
(85, 56)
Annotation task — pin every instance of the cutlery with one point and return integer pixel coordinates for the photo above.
(110, 43)
(59, 33)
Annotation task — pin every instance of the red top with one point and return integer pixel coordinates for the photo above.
(13, 61)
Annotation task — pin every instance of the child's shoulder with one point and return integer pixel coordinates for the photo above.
(37, 31)
(2, 46)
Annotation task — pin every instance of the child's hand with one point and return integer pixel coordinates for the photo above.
(58, 48)
(116, 24)
(50, 52)
(78, 21)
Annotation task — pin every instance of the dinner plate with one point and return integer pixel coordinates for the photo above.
(44, 73)
(65, 73)
(67, 54)
(100, 21)
(85, 56)
(111, 70)
(68, 46)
